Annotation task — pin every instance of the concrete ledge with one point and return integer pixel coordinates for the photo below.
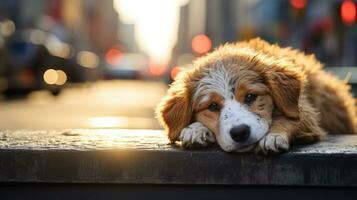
(144, 156)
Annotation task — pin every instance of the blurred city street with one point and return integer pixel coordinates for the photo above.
(107, 63)
(105, 104)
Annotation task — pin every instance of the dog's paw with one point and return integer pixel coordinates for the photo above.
(196, 134)
(273, 143)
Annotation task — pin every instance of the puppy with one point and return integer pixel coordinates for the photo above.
(256, 96)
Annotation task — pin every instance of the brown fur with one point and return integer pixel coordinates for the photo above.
(301, 99)
(175, 110)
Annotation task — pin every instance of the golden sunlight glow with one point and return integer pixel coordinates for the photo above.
(50, 76)
(87, 59)
(104, 122)
(130, 132)
(156, 24)
(116, 122)
(115, 137)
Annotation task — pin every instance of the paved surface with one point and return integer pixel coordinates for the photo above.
(60, 145)
(84, 139)
(140, 156)
(137, 139)
(111, 104)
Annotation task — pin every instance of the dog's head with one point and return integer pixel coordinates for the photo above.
(236, 92)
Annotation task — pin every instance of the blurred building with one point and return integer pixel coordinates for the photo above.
(66, 37)
(93, 24)
(315, 26)
(87, 24)
(93, 31)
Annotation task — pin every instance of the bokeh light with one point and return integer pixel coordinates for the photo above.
(175, 70)
(113, 56)
(58, 48)
(37, 37)
(87, 59)
(50, 76)
(298, 4)
(201, 44)
(61, 77)
(7, 28)
(157, 69)
(104, 122)
(57, 77)
(348, 12)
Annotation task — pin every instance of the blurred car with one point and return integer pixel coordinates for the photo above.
(18, 65)
(124, 65)
(34, 60)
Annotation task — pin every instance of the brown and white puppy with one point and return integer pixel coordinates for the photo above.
(254, 95)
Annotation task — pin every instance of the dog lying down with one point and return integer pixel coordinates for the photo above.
(256, 96)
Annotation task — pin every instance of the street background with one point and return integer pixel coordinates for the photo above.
(106, 63)
(111, 104)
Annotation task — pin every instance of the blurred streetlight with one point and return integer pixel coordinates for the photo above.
(61, 77)
(58, 48)
(157, 69)
(87, 59)
(348, 12)
(201, 44)
(50, 76)
(37, 37)
(298, 4)
(7, 28)
(57, 77)
(113, 56)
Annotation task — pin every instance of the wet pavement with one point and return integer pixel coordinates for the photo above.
(106, 104)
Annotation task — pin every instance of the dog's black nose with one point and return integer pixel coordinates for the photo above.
(240, 133)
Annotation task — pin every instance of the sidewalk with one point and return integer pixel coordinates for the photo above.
(146, 157)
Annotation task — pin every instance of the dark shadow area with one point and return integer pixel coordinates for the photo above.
(172, 192)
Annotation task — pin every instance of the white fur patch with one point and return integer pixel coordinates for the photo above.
(235, 114)
(273, 143)
(196, 134)
(218, 80)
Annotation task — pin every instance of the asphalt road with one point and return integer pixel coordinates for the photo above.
(106, 104)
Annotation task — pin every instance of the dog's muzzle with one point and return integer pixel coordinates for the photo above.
(240, 133)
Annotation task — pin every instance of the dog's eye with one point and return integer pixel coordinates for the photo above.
(250, 98)
(214, 107)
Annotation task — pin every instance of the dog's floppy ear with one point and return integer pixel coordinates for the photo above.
(286, 86)
(175, 110)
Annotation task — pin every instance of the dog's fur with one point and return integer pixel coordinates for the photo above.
(296, 101)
